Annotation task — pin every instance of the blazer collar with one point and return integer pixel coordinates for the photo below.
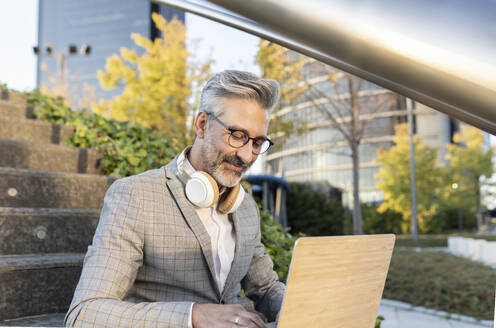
(237, 259)
(176, 187)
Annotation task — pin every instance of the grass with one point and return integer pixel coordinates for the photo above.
(442, 281)
(436, 240)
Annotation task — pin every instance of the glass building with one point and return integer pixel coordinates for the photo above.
(323, 154)
(104, 25)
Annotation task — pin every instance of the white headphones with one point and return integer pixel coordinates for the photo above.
(202, 190)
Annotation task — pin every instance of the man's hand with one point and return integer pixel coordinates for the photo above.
(224, 316)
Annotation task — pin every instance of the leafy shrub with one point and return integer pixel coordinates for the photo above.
(375, 222)
(378, 321)
(278, 244)
(126, 149)
(314, 213)
(446, 219)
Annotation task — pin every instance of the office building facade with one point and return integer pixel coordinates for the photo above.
(103, 25)
(323, 154)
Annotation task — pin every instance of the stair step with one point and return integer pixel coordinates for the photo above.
(46, 230)
(37, 284)
(12, 109)
(44, 320)
(10, 263)
(48, 157)
(4, 93)
(32, 188)
(16, 128)
(13, 96)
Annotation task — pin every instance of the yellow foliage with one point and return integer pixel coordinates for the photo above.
(159, 85)
(470, 160)
(394, 179)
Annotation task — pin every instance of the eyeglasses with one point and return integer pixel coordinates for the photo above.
(239, 138)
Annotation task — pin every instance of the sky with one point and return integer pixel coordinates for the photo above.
(228, 47)
(18, 34)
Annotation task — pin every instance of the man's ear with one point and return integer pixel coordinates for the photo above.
(201, 121)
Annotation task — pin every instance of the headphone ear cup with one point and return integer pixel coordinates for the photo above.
(231, 200)
(202, 190)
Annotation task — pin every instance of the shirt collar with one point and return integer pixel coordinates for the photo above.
(184, 162)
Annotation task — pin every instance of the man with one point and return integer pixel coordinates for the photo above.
(162, 258)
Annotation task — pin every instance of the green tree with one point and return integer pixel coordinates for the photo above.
(470, 167)
(394, 180)
(158, 85)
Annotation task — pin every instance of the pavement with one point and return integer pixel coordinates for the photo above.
(396, 314)
(403, 315)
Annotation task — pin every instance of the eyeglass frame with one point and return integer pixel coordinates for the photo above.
(247, 137)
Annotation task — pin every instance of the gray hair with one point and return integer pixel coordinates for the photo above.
(238, 84)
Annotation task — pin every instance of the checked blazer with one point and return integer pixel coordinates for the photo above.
(151, 257)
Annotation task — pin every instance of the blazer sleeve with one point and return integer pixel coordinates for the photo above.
(110, 268)
(261, 284)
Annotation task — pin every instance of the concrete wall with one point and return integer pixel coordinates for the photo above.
(475, 249)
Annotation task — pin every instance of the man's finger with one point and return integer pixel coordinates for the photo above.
(253, 318)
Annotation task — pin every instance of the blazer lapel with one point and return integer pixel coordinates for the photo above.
(236, 260)
(176, 187)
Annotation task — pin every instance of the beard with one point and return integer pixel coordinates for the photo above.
(212, 164)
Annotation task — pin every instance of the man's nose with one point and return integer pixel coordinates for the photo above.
(246, 152)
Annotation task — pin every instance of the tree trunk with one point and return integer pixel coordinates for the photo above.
(357, 211)
(354, 143)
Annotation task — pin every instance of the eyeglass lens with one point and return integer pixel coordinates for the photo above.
(238, 139)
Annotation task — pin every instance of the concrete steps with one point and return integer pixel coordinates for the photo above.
(16, 110)
(48, 157)
(50, 199)
(36, 284)
(43, 189)
(16, 128)
(46, 230)
(13, 96)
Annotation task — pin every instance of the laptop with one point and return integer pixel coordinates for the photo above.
(336, 281)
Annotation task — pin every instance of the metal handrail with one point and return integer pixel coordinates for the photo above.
(439, 53)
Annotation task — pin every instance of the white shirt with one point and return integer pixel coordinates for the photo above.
(221, 232)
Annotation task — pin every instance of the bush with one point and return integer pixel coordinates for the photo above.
(126, 149)
(278, 244)
(314, 213)
(446, 219)
(375, 222)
